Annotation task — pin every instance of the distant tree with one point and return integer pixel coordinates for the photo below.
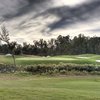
(4, 36)
(18, 49)
(63, 45)
(25, 49)
(51, 47)
(80, 44)
(4, 49)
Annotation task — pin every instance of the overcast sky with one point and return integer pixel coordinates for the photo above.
(29, 20)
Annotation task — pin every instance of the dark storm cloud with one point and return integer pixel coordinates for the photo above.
(15, 8)
(32, 6)
(68, 15)
(36, 1)
(71, 15)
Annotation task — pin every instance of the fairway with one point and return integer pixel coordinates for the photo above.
(25, 86)
(74, 59)
(18, 87)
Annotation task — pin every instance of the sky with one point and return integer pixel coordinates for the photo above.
(29, 20)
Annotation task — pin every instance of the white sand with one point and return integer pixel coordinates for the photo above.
(97, 60)
(83, 57)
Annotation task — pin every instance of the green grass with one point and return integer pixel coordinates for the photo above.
(27, 60)
(18, 87)
(28, 87)
(75, 59)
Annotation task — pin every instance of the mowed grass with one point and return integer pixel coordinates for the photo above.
(74, 59)
(29, 87)
(17, 87)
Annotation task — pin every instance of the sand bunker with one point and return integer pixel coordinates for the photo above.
(83, 57)
(97, 60)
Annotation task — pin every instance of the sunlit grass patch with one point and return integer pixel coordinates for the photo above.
(74, 59)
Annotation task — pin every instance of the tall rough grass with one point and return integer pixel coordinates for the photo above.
(52, 69)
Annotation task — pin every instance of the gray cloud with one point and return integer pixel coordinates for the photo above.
(11, 7)
(67, 15)
(40, 18)
(71, 15)
(97, 30)
(14, 8)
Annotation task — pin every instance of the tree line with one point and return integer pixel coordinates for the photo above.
(62, 45)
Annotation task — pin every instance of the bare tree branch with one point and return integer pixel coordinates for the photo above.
(4, 36)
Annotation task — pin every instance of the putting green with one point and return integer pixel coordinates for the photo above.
(45, 58)
(74, 59)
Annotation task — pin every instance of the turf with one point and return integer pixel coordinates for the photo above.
(14, 87)
(75, 59)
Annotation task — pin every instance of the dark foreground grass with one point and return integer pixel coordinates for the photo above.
(18, 87)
